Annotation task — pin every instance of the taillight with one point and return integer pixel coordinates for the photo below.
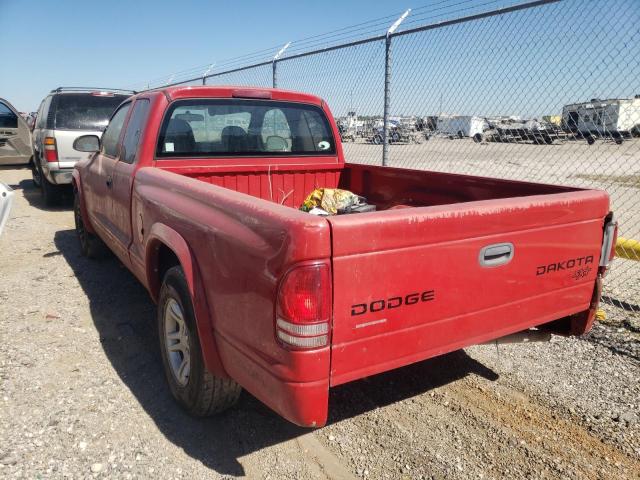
(609, 240)
(50, 149)
(304, 307)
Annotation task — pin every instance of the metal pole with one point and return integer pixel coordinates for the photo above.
(274, 65)
(387, 101)
(204, 75)
(387, 89)
(274, 69)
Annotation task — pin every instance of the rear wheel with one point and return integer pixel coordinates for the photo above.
(35, 172)
(196, 389)
(590, 139)
(90, 245)
(477, 138)
(50, 193)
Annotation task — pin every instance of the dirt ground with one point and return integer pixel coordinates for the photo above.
(83, 394)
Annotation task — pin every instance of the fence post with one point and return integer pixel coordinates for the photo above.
(387, 88)
(274, 65)
(206, 72)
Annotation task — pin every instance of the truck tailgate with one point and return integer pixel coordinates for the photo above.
(414, 283)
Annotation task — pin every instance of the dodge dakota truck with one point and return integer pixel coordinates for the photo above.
(197, 190)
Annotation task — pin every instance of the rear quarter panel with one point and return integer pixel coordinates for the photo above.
(240, 247)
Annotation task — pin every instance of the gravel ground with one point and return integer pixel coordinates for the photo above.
(83, 395)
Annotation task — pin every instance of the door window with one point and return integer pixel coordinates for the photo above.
(112, 133)
(134, 130)
(8, 119)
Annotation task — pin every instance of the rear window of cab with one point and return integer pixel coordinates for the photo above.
(237, 127)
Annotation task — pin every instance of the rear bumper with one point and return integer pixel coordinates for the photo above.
(304, 403)
(63, 176)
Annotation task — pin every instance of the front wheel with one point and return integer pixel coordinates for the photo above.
(196, 389)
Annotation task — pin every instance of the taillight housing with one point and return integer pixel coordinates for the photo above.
(303, 311)
(609, 241)
(50, 149)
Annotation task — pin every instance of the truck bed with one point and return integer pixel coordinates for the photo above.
(385, 187)
(427, 236)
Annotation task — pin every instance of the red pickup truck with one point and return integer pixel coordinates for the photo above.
(197, 191)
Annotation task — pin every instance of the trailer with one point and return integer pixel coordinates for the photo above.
(615, 119)
(460, 126)
(538, 132)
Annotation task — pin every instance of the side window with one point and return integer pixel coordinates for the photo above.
(134, 130)
(112, 133)
(43, 113)
(8, 119)
(274, 128)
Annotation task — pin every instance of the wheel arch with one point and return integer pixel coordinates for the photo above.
(165, 249)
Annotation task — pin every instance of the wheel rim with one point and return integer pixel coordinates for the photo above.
(176, 342)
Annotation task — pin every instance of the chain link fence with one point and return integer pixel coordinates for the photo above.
(544, 91)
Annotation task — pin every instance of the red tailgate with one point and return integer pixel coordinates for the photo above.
(415, 283)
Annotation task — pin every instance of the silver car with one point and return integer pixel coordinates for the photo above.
(15, 136)
(64, 115)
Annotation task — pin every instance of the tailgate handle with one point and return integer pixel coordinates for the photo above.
(496, 254)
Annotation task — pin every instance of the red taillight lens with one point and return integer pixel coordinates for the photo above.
(304, 306)
(50, 149)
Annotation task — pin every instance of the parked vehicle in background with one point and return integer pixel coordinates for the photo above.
(64, 115)
(399, 132)
(616, 118)
(198, 190)
(15, 136)
(538, 132)
(6, 200)
(460, 126)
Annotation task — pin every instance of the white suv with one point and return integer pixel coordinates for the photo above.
(64, 115)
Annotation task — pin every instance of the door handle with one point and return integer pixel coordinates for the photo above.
(496, 254)
(109, 182)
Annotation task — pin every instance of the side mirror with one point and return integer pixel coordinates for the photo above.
(87, 143)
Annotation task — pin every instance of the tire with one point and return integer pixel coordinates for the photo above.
(477, 138)
(547, 140)
(49, 192)
(196, 389)
(35, 172)
(377, 139)
(460, 134)
(90, 245)
(590, 139)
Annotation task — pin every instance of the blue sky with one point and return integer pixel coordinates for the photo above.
(526, 63)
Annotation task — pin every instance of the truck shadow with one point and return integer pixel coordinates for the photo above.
(124, 315)
(34, 197)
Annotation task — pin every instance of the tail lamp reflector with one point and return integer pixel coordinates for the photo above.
(304, 306)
